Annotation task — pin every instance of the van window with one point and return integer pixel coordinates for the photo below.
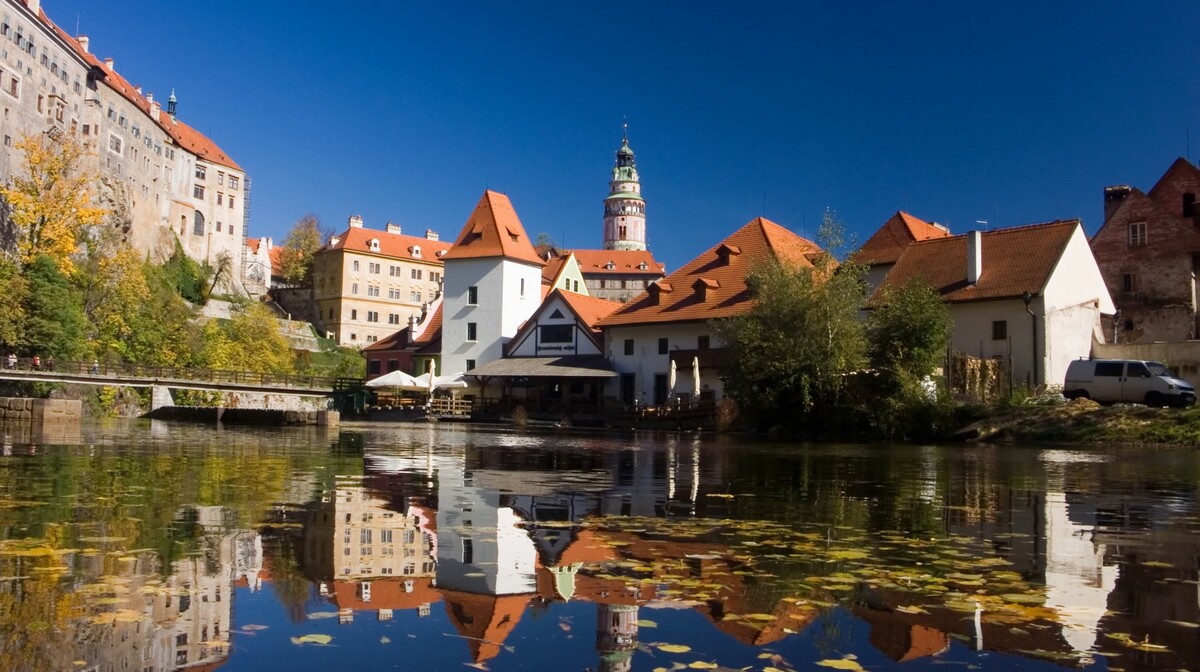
(1159, 370)
(1138, 370)
(1110, 369)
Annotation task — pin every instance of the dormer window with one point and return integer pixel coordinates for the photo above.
(610, 266)
(726, 252)
(642, 266)
(703, 286)
(656, 290)
(374, 243)
(416, 251)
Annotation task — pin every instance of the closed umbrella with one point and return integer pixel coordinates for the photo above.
(696, 378)
(432, 376)
(671, 379)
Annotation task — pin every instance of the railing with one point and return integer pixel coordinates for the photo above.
(51, 369)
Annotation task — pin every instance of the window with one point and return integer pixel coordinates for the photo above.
(1189, 204)
(702, 342)
(414, 296)
(470, 365)
(416, 274)
(218, 227)
(629, 346)
(1129, 283)
(198, 224)
(201, 169)
(556, 333)
(114, 143)
(372, 316)
(416, 251)
(373, 268)
(1110, 369)
(472, 296)
(355, 264)
(393, 318)
(1136, 370)
(354, 288)
(231, 202)
(471, 331)
(14, 87)
(522, 286)
(373, 369)
(220, 177)
(353, 313)
(999, 330)
(233, 182)
(220, 198)
(1137, 233)
(372, 290)
(435, 277)
(393, 294)
(662, 346)
(197, 191)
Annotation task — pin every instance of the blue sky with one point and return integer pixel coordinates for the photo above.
(1013, 112)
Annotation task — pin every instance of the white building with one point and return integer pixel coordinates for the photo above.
(493, 283)
(670, 321)
(1030, 294)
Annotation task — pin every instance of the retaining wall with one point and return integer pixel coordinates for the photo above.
(246, 416)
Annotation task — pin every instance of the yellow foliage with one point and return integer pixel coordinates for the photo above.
(51, 199)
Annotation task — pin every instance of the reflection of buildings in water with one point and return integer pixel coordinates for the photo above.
(365, 555)
(1077, 580)
(616, 636)
(180, 621)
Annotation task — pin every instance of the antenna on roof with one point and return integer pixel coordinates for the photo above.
(625, 128)
(764, 209)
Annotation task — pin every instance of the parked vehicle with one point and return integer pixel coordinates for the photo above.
(1135, 381)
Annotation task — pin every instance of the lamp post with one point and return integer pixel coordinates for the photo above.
(1027, 297)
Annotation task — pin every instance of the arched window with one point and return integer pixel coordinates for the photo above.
(198, 224)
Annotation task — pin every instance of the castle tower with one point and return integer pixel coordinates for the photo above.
(624, 209)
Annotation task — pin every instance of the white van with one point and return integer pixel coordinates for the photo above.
(1127, 380)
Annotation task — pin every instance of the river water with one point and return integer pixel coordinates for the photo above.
(154, 546)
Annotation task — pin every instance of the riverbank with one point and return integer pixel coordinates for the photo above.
(1085, 422)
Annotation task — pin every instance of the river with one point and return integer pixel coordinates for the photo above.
(156, 546)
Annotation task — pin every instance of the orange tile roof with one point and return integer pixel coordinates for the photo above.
(402, 340)
(494, 230)
(625, 262)
(750, 245)
(887, 244)
(392, 245)
(253, 243)
(552, 268)
(1015, 260)
(276, 254)
(386, 593)
(589, 309)
(484, 620)
(185, 136)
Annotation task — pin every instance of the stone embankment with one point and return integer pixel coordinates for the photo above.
(40, 411)
(247, 416)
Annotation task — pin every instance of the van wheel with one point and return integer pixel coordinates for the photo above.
(1154, 399)
(1078, 394)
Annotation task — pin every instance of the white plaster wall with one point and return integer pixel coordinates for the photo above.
(646, 361)
(1077, 279)
(1070, 332)
(973, 333)
(501, 309)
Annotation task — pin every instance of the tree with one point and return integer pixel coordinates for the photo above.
(13, 290)
(54, 323)
(792, 350)
(50, 200)
(250, 341)
(296, 257)
(908, 331)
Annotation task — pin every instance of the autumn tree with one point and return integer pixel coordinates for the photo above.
(50, 198)
(13, 289)
(250, 341)
(301, 244)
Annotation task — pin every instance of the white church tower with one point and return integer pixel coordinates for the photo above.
(624, 209)
(493, 283)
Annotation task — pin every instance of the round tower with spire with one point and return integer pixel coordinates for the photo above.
(624, 209)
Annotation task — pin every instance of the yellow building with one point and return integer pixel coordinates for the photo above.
(367, 283)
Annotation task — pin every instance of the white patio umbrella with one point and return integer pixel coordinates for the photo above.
(432, 376)
(397, 379)
(671, 379)
(695, 378)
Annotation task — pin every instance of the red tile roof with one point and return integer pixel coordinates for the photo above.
(386, 593)
(752, 244)
(392, 245)
(1015, 260)
(428, 333)
(887, 244)
(552, 268)
(484, 620)
(625, 262)
(185, 136)
(589, 309)
(494, 230)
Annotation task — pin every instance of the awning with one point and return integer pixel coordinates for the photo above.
(569, 366)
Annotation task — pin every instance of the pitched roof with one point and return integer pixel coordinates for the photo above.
(393, 245)
(552, 269)
(589, 309)
(887, 244)
(494, 230)
(624, 262)
(428, 333)
(1015, 260)
(726, 293)
(1180, 169)
(484, 620)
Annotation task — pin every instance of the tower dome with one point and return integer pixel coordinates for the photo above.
(624, 208)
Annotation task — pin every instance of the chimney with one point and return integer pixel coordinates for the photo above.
(1114, 197)
(138, 88)
(154, 107)
(412, 324)
(356, 221)
(393, 228)
(267, 242)
(83, 43)
(974, 257)
(112, 65)
(430, 234)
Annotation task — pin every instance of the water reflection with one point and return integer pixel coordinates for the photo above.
(486, 548)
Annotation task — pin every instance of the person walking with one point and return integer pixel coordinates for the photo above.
(12, 360)
(37, 363)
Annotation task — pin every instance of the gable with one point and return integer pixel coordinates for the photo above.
(494, 230)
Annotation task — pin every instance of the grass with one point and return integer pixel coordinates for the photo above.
(1088, 423)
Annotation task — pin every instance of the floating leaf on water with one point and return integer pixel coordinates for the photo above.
(701, 665)
(911, 610)
(253, 626)
(1022, 598)
(1156, 563)
(673, 648)
(321, 614)
(1186, 624)
(318, 639)
(647, 624)
(384, 640)
(840, 664)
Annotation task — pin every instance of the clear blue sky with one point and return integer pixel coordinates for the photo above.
(1013, 112)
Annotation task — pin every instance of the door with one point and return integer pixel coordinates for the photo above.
(660, 389)
(1138, 382)
(1106, 385)
(627, 393)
